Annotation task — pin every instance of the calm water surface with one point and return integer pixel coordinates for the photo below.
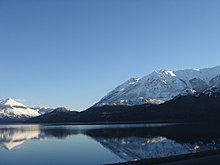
(101, 144)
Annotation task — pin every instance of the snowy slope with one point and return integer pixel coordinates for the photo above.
(162, 85)
(12, 109)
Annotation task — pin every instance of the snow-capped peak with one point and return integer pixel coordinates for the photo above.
(162, 85)
(11, 109)
(11, 102)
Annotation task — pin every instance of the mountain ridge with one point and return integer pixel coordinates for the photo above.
(161, 85)
(137, 100)
(201, 107)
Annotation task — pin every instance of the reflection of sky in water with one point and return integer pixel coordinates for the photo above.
(34, 144)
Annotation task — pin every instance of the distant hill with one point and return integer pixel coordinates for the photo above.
(58, 115)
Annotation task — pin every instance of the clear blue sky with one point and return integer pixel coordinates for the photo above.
(72, 52)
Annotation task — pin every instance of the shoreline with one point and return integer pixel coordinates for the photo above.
(113, 123)
(97, 123)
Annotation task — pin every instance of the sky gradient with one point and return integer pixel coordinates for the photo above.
(73, 52)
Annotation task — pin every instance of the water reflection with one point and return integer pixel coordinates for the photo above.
(15, 135)
(154, 142)
(126, 141)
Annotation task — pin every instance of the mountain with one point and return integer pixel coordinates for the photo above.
(201, 107)
(191, 95)
(161, 86)
(58, 115)
(11, 110)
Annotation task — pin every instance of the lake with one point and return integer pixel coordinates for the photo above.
(101, 144)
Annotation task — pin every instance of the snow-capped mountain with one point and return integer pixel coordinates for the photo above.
(162, 85)
(11, 109)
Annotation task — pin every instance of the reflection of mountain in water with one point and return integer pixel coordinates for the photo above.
(154, 142)
(128, 143)
(13, 136)
(140, 148)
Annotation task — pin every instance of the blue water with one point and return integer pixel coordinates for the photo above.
(99, 144)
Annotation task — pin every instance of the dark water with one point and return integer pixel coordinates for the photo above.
(101, 144)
